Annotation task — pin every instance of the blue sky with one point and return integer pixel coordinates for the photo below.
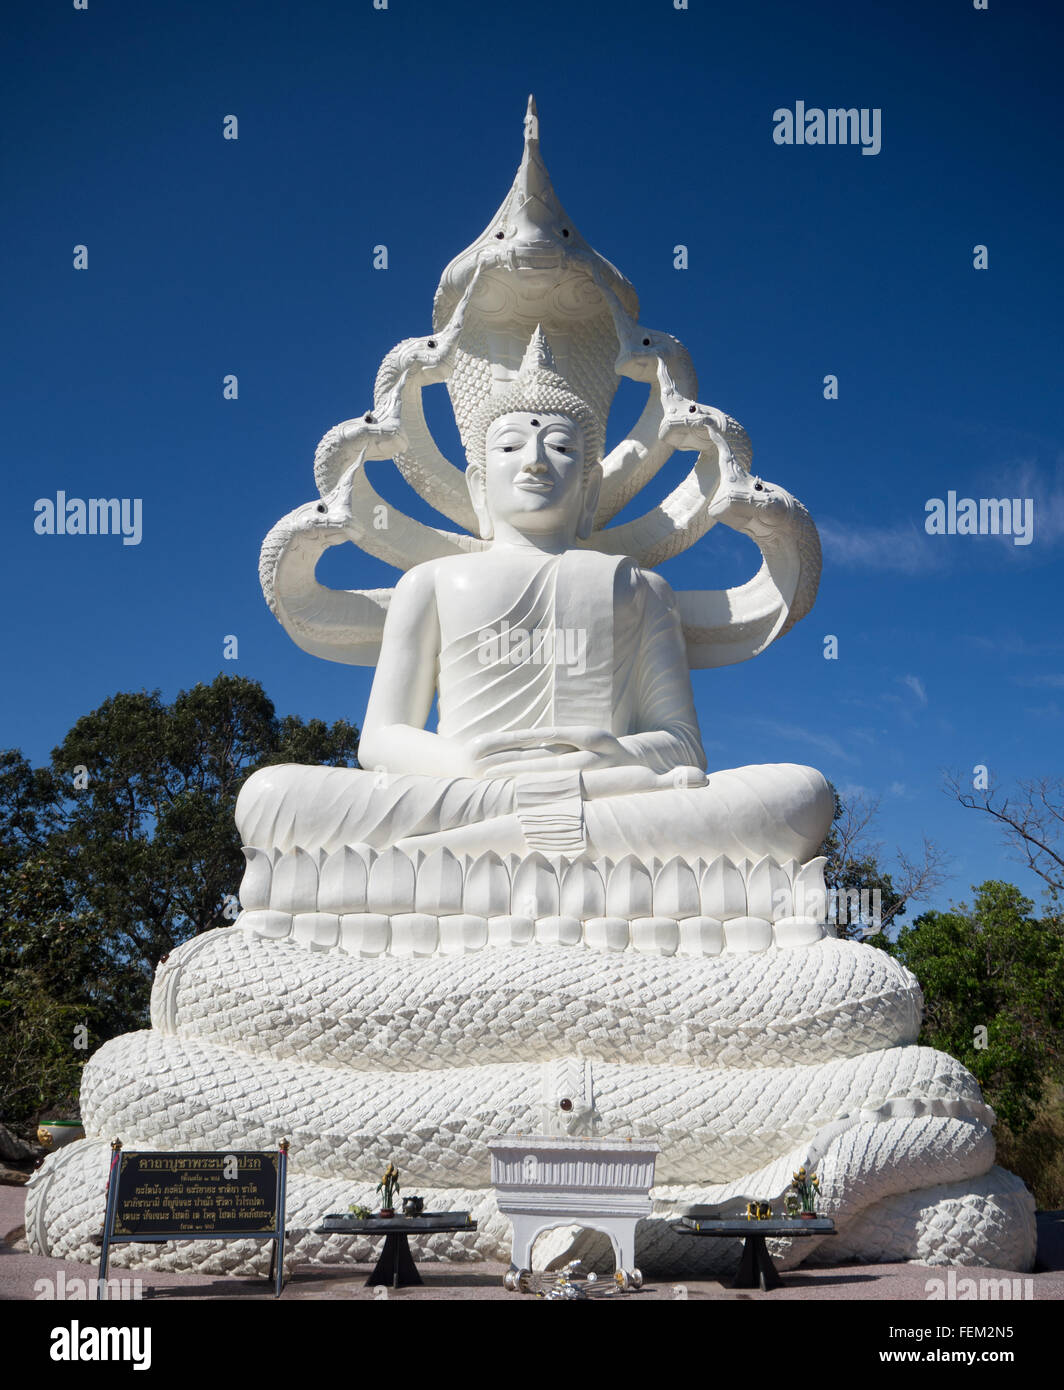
(403, 126)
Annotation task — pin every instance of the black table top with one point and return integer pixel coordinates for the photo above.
(425, 1225)
(741, 1226)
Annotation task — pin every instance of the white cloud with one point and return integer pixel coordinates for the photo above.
(854, 791)
(1047, 494)
(1012, 644)
(824, 742)
(1053, 679)
(903, 549)
(906, 548)
(916, 685)
(1050, 711)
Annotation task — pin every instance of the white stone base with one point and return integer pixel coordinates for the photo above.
(365, 903)
(741, 1068)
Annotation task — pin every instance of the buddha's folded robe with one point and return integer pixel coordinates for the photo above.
(778, 809)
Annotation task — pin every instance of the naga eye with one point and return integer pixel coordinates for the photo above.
(498, 236)
(565, 231)
(646, 342)
(322, 507)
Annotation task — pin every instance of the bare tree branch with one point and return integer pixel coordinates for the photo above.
(856, 861)
(857, 815)
(1032, 822)
(918, 878)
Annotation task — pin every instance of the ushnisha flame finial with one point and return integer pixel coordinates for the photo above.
(538, 356)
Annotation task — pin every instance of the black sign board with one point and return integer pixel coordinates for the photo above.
(184, 1194)
(232, 1195)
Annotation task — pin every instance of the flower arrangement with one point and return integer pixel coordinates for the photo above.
(388, 1187)
(806, 1187)
(360, 1213)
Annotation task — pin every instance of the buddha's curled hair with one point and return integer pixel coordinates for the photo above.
(537, 388)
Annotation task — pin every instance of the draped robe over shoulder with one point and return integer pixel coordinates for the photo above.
(590, 640)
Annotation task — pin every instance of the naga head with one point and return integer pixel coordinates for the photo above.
(531, 244)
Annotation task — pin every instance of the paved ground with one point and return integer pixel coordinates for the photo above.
(21, 1271)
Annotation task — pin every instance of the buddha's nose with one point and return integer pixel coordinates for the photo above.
(534, 464)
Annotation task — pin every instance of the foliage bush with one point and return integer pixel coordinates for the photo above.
(993, 983)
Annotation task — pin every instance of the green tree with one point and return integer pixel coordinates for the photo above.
(993, 983)
(56, 980)
(120, 850)
(150, 835)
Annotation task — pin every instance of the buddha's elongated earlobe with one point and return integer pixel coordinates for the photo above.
(476, 482)
(592, 487)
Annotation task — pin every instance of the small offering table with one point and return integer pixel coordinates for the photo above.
(756, 1269)
(396, 1264)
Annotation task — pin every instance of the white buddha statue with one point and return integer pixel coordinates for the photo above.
(544, 914)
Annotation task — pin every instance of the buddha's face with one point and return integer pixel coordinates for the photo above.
(534, 479)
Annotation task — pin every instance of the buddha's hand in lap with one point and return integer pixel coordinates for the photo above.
(574, 748)
(627, 781)
(606, 766)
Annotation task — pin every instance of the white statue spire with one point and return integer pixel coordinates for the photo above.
(533, 236)
(531, 121)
